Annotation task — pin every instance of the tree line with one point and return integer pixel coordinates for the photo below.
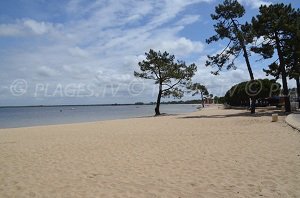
(275, 30)
(273, 33)
(238, 95)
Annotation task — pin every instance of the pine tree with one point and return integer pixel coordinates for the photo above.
(197, 88)
(171, 76)
(273, 24)
(239, 36)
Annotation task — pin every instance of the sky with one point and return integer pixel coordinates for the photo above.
(85, 52)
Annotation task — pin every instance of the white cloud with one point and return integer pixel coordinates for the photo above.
(77, 72)
(77, 51)
(112, 77)
(37, 27)
(255, 3)
(170, 9)
(45, 71)
(188, 19)
(102, 44)
(219, 84)
(27, 27)
(181, 46)
(10, 30)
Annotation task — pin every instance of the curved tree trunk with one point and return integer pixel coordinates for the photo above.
(157, 112)
(202, 99)
(253, 99)
(246, 56)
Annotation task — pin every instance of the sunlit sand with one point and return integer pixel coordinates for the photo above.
(209, 153)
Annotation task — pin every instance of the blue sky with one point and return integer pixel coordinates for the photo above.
(85, 52)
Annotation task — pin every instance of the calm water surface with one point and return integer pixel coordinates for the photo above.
(34, 116)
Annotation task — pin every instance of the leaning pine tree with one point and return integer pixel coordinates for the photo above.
(239, 37)
(170, 75)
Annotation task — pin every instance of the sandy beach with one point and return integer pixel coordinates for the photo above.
(209, 153)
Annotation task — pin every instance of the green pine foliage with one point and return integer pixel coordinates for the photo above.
(171, 76)
(277, 25)
(238, 95)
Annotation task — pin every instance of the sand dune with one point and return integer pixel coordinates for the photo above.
(210, 153)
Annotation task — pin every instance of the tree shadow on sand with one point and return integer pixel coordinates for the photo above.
(261, 113)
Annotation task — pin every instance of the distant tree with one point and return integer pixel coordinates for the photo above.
(211, 97)
(239, 36)
(172, 77)
(221, 100)
(216, 99)
(273, 24)
(197, 88)
(238, 96)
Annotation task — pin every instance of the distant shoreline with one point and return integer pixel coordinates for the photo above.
(90, 105)
(12, 117)
(71, 105)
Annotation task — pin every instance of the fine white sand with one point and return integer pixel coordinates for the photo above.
(210, 153)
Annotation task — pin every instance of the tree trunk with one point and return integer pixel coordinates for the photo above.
(298, 90)
(253, 99)
(283, 75)
(297, 71)
(202, 99)
(246, 56)
(157, 112)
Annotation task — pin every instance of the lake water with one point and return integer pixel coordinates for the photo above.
(33, 116)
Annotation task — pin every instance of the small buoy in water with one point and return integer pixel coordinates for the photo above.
(60, 110)
(274, 117)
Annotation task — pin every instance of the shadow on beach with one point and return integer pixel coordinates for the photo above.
(259, 113)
